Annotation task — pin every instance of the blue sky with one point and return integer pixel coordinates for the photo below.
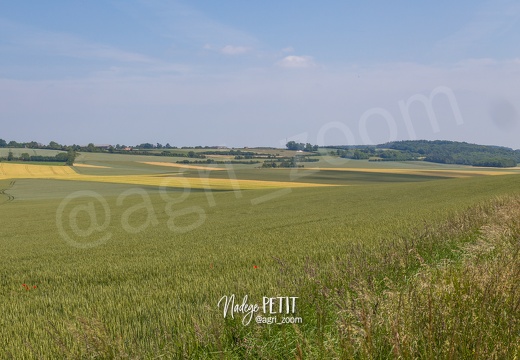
(256, 73)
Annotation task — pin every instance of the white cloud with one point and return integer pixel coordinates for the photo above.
(296, 62)
(234, 50)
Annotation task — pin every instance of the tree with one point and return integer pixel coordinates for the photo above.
(3, 143)
(61, 157)
(359, 154)
(54, 145)
(25, 157)
(10, 156)
(293, 145)
(146, 146)
(71, 156)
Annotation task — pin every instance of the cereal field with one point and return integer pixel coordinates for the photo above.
(127, 260)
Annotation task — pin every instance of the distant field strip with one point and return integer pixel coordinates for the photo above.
(436, 172)
(20, 171)
(91, 166)
(193, 182)
(182, 166)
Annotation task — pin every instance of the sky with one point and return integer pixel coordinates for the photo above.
(259, 73)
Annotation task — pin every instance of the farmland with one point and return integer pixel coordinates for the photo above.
(399, 259)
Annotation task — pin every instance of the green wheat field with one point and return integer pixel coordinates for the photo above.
(117, 258)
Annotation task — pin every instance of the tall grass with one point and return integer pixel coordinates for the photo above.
(452, 291)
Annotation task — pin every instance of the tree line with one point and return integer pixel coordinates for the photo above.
(454, 152)
(308, 147)
(437, 151)
(53, 145)
(64, 157)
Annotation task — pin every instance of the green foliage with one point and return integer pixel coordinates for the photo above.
(495, 162)
(14, 144)
(145, 146)
(452, 152)
(54, 146)
(446, 152)
(61, 157)
(360, 153)
(283, 163)
(71, 156)
(293, 145)
(58, 158)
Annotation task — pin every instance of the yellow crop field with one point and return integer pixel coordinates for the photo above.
(193, 182)
(21, 171)
(181, 166)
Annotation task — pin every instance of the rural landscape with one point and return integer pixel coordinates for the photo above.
(402, 250)
(259, 180)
